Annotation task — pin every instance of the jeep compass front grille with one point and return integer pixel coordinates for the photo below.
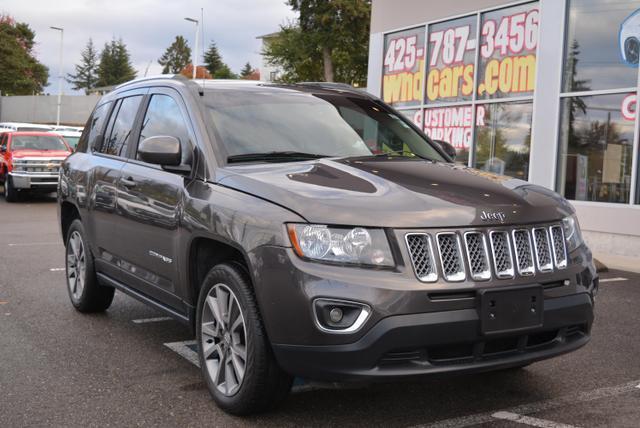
(500, 253)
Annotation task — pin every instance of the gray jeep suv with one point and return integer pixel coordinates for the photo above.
(310, 230)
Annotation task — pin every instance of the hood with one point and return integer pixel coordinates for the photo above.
(396, 192)
(29, 153)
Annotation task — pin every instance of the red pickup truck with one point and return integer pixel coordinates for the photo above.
(29, 161)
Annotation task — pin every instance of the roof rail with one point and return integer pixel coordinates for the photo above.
(329, 85)
(156, 77)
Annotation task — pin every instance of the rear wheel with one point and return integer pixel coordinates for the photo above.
(10, 192)
(84, 291)
(235, 355)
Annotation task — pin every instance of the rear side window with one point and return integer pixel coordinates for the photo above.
(120, 126)
(163, 117)
(94, 127)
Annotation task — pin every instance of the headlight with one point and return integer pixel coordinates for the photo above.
(572, 232)
(343, 245)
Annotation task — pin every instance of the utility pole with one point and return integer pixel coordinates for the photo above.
(195, 51)
(59, 74)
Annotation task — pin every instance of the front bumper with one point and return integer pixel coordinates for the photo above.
(440, 343)
(30, 181)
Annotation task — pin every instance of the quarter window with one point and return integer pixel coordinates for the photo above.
(120, 126)
(163, 117)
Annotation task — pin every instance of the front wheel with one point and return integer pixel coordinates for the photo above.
(10, 192)
(235, 355)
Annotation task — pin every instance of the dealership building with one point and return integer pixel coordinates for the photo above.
(545, 91)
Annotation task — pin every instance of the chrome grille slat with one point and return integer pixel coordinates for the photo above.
(559, 250)
(477, 255)
(422, 257)
(542, 249)
(524, 252)
(501, 251)
(450, 256)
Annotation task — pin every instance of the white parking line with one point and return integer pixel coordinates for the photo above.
(148, 320)
(524, 409)
(182, 349)
(527, 420)
(613, 279)
(56, 269)
(29, 244)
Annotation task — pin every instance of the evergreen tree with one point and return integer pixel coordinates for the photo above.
(20, 72)
(176, 57)
(224, 72)
(115, 65)
(212, 59)
(86, 72)
(246, 71)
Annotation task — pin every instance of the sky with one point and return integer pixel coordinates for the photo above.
(147, 27)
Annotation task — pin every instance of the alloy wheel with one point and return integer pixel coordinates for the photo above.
(223, 339)
(76, 264)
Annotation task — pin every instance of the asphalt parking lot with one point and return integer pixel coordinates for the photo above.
(61, 368)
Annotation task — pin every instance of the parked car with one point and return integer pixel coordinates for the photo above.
(71, 137)
(310, 230)
(29, 162)
(20, 126)
(67, 128)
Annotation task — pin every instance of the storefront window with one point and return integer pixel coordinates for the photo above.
(508, 43)
(414, 115)
(403, 67)
(503, 136)
(453, 125)
(602, 45)
(596, 146)
(451, 57)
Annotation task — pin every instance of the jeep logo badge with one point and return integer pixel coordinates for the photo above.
(489, 216)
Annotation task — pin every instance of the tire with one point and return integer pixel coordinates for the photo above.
(82, 284)
(10, 193)
(260, 384)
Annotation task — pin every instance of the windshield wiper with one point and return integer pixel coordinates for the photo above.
(274, 156)
(402, 152)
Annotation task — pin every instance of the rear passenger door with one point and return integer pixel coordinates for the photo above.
(110, 155)
(150, 203)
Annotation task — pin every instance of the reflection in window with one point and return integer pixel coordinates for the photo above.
(596, 145)
(598, 52)
(503, 136)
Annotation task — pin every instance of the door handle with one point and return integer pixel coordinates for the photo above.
(128, 182)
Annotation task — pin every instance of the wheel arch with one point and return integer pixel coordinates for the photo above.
(68, 213)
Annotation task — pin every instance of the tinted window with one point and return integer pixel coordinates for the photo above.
(3, 141)
(117, 137)
(94, 127)
(163, 117)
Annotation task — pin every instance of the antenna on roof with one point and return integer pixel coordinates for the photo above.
(203, 50)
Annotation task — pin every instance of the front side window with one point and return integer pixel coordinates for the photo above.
(37, 142)
(323, 125)
(117, 139)
(164, 118)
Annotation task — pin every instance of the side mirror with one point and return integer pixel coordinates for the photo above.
(160, 150)
(448, 148)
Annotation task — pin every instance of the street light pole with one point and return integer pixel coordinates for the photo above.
(59, 74)
(195, 51)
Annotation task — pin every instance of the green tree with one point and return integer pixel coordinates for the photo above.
(330, 40)
(86, 75)
(225, 72)
(176, 57)
(115, 64)
(246, 71)
(20, 72)
(212, 59)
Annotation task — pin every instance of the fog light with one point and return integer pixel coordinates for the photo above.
(335, 315)
(340, 316)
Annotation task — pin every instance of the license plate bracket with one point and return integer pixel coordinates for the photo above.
(511, 310)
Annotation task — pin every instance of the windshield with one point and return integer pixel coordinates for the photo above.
(37, 142)
(271, 122)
